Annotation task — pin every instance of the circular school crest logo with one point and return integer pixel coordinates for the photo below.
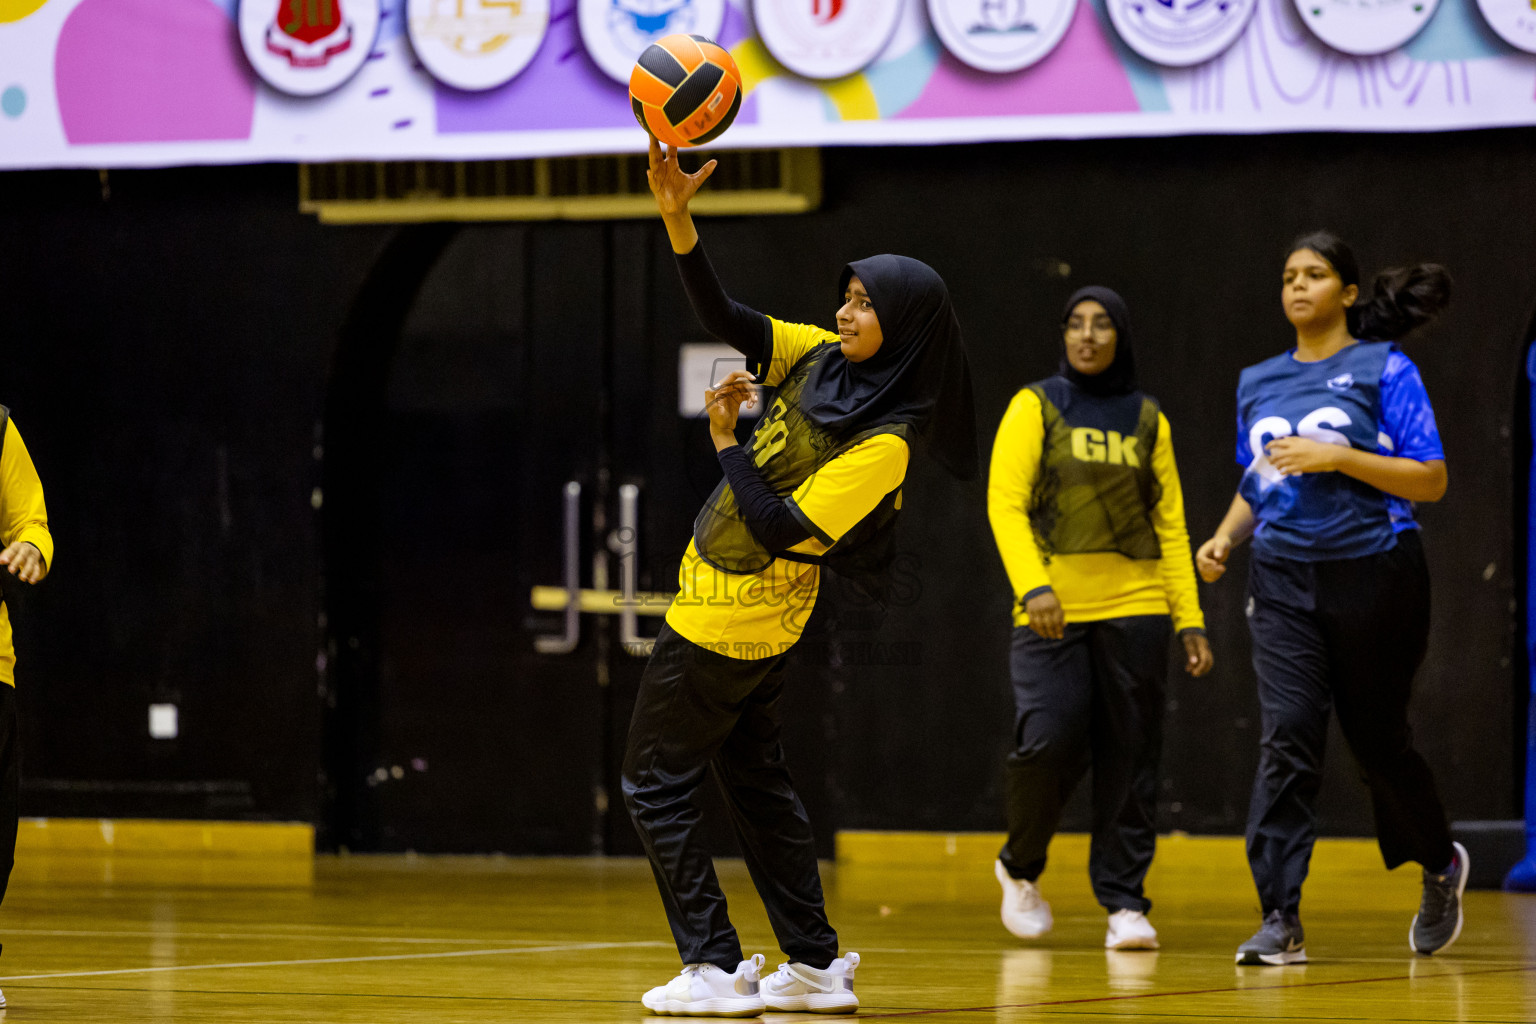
(1000, 35)
(1180, 33)
(826, 38)
(1364, 28)
(1513, 20)
(617, 32)
(476, 44)
(307, 47)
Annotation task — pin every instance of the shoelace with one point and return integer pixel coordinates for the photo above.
(756, 961)
(787, 973)
(1439, 894)
(1026, 896)
(1274, 924)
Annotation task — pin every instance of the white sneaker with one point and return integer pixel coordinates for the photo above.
(704, 990)
(1130, 929)
(1025, 912)
(796, 988)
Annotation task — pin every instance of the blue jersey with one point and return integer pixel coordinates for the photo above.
(1368, 396)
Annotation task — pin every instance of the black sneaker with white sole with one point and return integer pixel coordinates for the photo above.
(1278, 942)
(1438, 922)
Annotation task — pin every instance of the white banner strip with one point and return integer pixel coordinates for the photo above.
(143, 83)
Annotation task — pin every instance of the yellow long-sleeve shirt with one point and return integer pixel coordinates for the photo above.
(23, 516)
(1096, 585)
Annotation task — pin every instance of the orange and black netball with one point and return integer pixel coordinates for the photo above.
(685, 90)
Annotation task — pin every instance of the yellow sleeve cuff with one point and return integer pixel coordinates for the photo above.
(41, 539)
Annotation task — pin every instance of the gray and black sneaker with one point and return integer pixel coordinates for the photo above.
(1438, 922)
(1277, 943)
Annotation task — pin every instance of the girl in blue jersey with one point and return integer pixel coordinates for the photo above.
(1337, 440)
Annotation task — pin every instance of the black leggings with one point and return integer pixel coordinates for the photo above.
(700, 711)
(1346, 634)
(1094, 697)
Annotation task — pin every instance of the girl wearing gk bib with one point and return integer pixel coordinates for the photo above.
(1086, 506)
(1337, 440)
(818, 483)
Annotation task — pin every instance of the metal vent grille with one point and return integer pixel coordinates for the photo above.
(556, 188)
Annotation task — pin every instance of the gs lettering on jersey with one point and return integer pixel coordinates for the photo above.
(1334, 401)
(1324, 426)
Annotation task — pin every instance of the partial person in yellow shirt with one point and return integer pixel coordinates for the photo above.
(1085, 503)
(27, 554)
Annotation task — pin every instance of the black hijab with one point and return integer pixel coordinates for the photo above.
(919, 376)
(1119, 377)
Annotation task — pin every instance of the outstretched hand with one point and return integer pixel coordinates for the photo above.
(673, 187)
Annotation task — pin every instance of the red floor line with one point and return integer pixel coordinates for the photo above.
(1195, 992)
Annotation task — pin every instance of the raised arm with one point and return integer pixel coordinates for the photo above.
(739, 326)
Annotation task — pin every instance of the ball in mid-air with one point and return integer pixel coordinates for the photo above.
(686, 90)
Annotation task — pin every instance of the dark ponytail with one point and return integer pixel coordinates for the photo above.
(1402, 299)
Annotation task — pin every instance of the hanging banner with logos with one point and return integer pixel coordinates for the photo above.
(1180, 33)
(1513, 20)
(478, 44)
(616, 32)
(309, 47)
(826, 39)
(1000, 35)
(1366, 27)
(113, 83)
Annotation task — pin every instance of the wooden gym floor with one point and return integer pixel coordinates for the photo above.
(377, 939)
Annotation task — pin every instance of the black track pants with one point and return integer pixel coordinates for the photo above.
(700, 711)
(1348, 635)
(1093, 698)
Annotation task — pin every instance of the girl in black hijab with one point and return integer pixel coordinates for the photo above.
(818, 483)
(1086, 506)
